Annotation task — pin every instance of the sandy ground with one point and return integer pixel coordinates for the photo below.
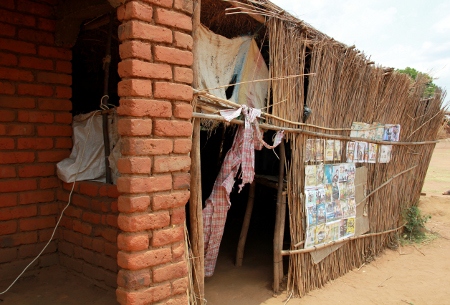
(413, 274)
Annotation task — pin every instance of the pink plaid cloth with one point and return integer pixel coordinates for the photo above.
(241, 154)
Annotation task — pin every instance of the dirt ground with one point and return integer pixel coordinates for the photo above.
(414, 274)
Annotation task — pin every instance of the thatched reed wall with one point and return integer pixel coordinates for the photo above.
(341, 85)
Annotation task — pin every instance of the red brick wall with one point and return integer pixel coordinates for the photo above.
(88, 231)
(35, 131)
(155, 110)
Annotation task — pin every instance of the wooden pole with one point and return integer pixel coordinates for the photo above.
(245, 225)
(196, 218)
(105, 98)
(279, 225)
(195, 202)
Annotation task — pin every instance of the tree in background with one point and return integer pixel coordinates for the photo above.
(413, 73)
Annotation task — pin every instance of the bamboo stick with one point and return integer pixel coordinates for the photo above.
(315, 248)
(245, 225)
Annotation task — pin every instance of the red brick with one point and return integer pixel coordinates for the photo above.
(54, 130)
(36, 117)
(137, 68)
(17, 18)
(132, 242)
(169, 201)
(7, 88)
(17, 102)
(37, 170)
(16, 74)
(134, 165)
(173, 56)
(182, 146)
(8, 4)
(52, 52)
(63, 143)
(181, 181)
(35, 63)
(73, 237)
(135, 49)
(141, 222)
(98, 245)
(143, 259)
(163, 164)
(92, 217)
(136, 10)
(73, 212)
(82, 227)
(141, 30)
(81, 201)
(34, 90)
(183, 41)
(135, 146)
(112, 191)
(52, 156)
(172, 128)
(6, 143)
(16, 129)
(7, 59)
(33, 250)
(18, 239)
(54, 78)
(163, 3)
(182, 110)
(63, 92)
(178, 249)
(184, 5)
(173, 91)
(36, 36)
(135, 87)
(8, 255)
(109, 234)
(48, 183)
(34, 143)
(134, 127)
(176, 299)
(169, 272)
(54, 104)
(34, 8)
(128, 204)
(64, 118)
(64, 66)
(144, 296)
(7, 171)
(44, 235)
(143, 107)
(173, 19)
(167, 236)
(49, 209)
(8, 227)
(32, 224)
(144, 185)
(16, 157)
(178, 216)
(66, 248)
(111, 220)
(180, 286)
(7, 116)
(134, 279)
(8, 200)
(183, 75)
(89, 188)
(46, 24)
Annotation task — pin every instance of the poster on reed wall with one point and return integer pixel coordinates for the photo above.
(330, 202)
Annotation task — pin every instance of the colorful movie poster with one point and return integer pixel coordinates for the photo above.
(310, 240)
(309, 151)
(329, 150)
(351, 151)
(385, 154)
(321, 214)
(328, 173)
(337, 150)
(372, 152)
(319, 173)
(350, 226)
(310, 175)
(319, 149)
(320, 234)
(391, 133)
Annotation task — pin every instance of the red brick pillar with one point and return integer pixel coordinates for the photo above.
(155, 112)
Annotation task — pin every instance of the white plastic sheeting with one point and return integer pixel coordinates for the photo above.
(88, 153)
